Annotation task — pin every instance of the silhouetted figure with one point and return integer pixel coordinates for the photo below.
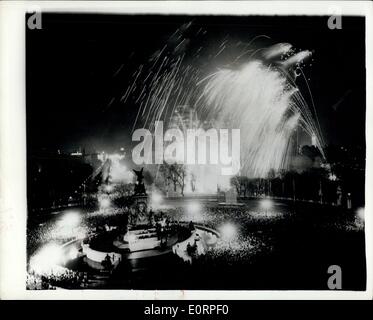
(189, 248)
(191, 226)
(107, 263)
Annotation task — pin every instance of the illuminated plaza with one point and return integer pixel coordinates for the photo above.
(197, 153)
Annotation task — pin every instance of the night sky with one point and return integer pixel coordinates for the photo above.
(78, 67)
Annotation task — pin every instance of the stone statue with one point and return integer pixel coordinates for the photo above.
(139, 187)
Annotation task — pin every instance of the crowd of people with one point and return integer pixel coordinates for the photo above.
(214, 216)
(256, 232)
(63, 278)
(241, 246)
(242, 249)
(50, 231)
(252, 235)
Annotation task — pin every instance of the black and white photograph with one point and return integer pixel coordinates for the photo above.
(170, 151)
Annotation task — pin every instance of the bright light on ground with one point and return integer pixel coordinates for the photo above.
(266, 204)
(193, 210)
(193, 207)
(332, 177)
(109, 188)
(104, 203)
(71, 219)
(156, 199)
(81, 234)
(228, 231)
(73, 253)
(360, 214)
(47, 259)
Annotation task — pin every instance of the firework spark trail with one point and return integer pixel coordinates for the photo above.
(259, 101)
(258, 96)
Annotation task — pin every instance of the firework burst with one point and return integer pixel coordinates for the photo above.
(228, 85)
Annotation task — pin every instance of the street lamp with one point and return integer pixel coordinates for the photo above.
(266, 204)
(228, 231)
(71, 219)
(46, 259)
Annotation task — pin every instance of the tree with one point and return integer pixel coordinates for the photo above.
(241, 183)
(176, 174)
(235, 182)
